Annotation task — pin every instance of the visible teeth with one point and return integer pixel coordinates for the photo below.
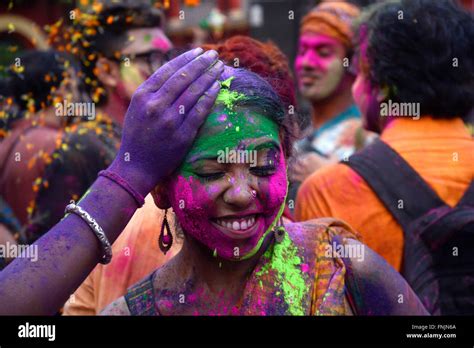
(237, 225)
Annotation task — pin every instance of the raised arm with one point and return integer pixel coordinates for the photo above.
(155, 139)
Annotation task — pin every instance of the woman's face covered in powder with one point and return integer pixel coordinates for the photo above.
(232, 184)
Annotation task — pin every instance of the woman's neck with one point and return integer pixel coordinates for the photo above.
(215, 274)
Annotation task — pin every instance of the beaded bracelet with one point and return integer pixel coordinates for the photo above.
(99, 232)
(123, 184)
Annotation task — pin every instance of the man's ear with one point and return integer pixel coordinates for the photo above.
(160, 196)
(108, 72)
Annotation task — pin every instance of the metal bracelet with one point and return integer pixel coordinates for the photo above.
(99, 232)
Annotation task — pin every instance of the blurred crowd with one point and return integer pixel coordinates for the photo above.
(62, 110)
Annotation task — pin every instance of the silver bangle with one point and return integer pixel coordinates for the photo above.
(99, 232)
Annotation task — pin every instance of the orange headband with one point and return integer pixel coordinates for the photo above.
(333, 19)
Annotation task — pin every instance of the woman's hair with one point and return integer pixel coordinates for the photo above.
(101, 31)
(263, 58)
(260, 96)
(421, 51)
(42, 72)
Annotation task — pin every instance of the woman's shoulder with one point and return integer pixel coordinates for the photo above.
(373, 286)
(118, 307)
(138, 300)
(321, 230)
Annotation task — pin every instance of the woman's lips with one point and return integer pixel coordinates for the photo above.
(238, 227)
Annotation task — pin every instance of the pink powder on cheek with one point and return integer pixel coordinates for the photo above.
(213, 190)
(193, 203)
(274, 191)
(310, 58)
(194, 206)
(310, 42)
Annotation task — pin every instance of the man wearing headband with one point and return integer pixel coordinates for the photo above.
(325, 78)
(424, 125)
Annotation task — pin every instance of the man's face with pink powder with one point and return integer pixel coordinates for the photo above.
(319, 65)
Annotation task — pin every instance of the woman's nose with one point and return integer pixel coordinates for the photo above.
(240, 193)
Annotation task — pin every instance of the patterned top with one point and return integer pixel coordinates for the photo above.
(297, 275)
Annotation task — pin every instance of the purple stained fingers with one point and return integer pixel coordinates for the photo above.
(196, 90)
(199, 112)
(183, 79)
(157, 134)
(160, 76)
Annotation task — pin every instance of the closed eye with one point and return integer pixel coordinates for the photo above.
(263, 170)
(210, 176)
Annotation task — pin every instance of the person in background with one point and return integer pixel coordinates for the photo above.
(49, 156)
(119, 44)
(325, 77)
(400, 62)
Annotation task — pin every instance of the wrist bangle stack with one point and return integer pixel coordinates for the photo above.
(99, 232)
(123, 184)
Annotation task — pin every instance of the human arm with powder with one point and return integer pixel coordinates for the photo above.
(156, 138)
(373, 287)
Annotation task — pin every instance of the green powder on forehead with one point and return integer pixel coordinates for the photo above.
(226, 96)
(226, 129)
(283, 259)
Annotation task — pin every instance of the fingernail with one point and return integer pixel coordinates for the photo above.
(211, 54)
(197, 51)
(216, 85)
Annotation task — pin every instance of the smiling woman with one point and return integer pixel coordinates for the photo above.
(238, 258)
(221, 199)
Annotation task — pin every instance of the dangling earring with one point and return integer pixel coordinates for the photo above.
(279, 231)
(165, 240)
